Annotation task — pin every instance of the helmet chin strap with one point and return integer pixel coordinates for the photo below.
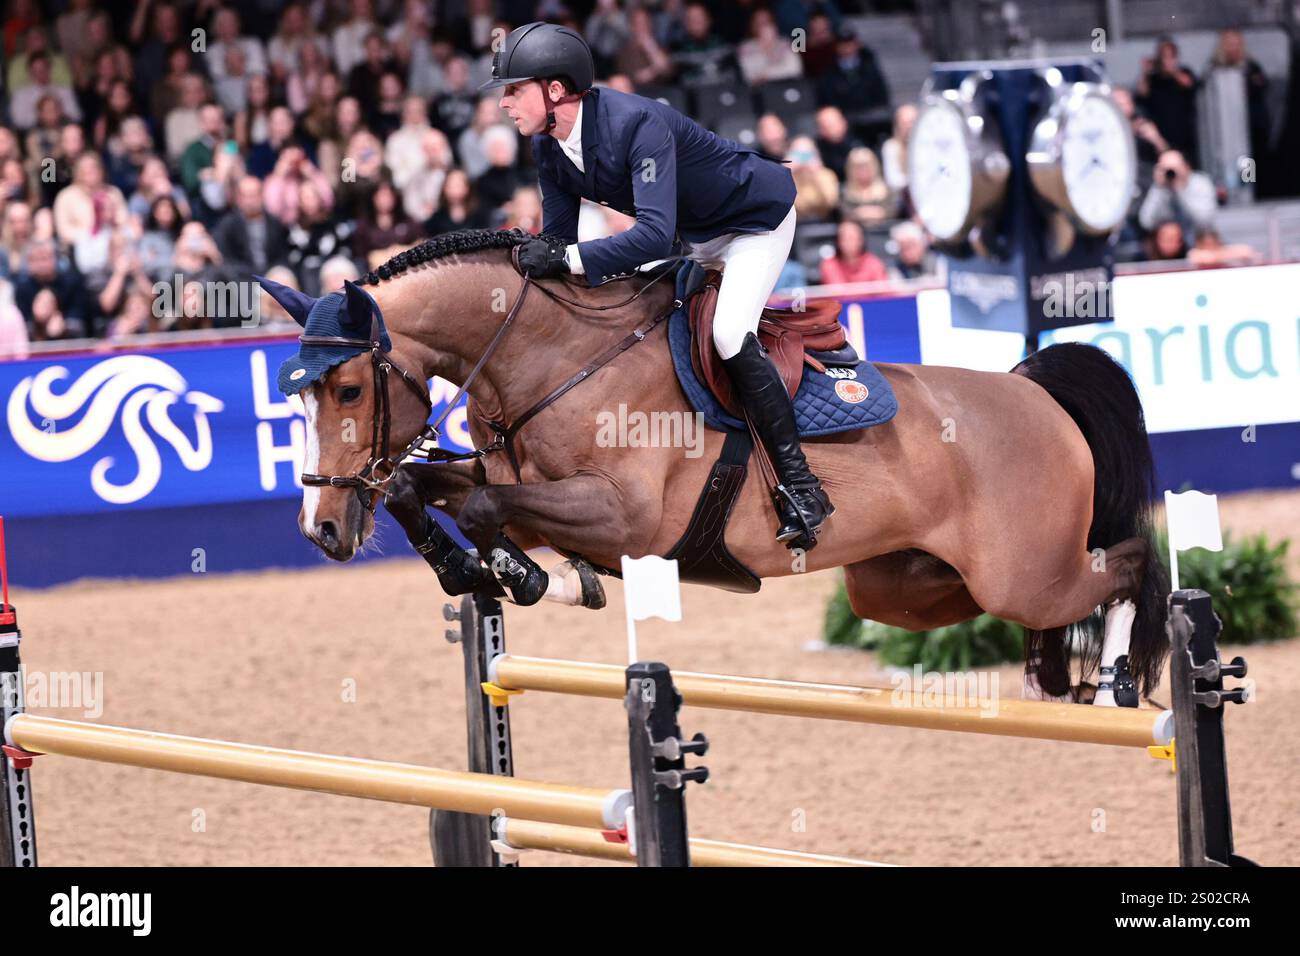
(551, 104)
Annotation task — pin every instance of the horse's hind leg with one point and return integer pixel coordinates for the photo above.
(909, 589)
(1067, 591)
(1045, 594)
(1115, 686)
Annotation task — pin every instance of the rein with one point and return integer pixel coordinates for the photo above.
(382, 465)
(505, 434)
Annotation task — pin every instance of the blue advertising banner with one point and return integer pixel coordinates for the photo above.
(156, 462)
(164, 428)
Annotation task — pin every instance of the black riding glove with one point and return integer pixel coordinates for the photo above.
(543, 259)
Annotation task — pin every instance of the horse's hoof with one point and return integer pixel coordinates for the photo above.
(574, 583)
(593, 592)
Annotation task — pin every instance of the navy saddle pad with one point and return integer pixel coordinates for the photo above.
(837, 400)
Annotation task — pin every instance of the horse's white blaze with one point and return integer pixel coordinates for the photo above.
(311, 464)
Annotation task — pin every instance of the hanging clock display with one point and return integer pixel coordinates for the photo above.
(957, 164)
(1081, 157)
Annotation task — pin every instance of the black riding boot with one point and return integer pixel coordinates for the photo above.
(801, 503)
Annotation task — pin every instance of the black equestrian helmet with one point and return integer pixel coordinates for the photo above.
(538, 51)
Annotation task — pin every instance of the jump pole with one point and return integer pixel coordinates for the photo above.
(656, 749)
(1119, 726)
(530, 835)
(298, 770)
(1194, 727)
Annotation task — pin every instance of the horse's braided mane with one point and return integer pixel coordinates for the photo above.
(448, 244)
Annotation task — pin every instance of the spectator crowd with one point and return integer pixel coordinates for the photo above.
(1173, 213)
(309, 140)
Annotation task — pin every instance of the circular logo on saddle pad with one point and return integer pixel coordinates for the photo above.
(297, 374)
(855, 393)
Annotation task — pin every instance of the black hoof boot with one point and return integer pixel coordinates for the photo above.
(517, 573)
(459, 572)
(1122, 684)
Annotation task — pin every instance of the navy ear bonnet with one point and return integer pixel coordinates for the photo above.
(350, 313)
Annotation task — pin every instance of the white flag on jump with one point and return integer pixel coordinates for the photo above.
(1193, 522)
(650, 589)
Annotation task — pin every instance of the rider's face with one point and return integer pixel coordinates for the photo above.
(524, 103)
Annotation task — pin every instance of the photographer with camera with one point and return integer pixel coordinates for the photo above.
(1178, 193)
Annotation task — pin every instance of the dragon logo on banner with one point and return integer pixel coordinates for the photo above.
(132, 389)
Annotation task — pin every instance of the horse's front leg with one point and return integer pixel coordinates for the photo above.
(586, 512)
(442, 486)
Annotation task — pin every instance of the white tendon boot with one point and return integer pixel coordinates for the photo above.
(1115, 687)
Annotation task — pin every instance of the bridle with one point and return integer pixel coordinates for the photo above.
(382, 465)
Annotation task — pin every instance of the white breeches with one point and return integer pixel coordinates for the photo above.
(751, 265)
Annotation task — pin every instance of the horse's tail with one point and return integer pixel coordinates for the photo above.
(1100, 397)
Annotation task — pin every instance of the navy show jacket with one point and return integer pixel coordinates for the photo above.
(677, 178)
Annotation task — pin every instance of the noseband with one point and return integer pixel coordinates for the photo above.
(379, 469)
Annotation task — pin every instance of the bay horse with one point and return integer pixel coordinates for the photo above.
(1025, 494)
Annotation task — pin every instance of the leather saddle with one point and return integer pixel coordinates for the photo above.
(793, 339)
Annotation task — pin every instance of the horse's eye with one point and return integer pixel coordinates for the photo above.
(350, 393)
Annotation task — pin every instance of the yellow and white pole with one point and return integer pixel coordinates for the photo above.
(532, 835)
(484, 794)
(1118, 726)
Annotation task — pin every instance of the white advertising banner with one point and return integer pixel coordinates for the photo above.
(1208, 349)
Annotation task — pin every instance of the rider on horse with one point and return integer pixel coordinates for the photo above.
(731, 207)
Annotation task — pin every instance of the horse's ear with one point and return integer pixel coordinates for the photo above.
(361, 310)
(296, 303)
